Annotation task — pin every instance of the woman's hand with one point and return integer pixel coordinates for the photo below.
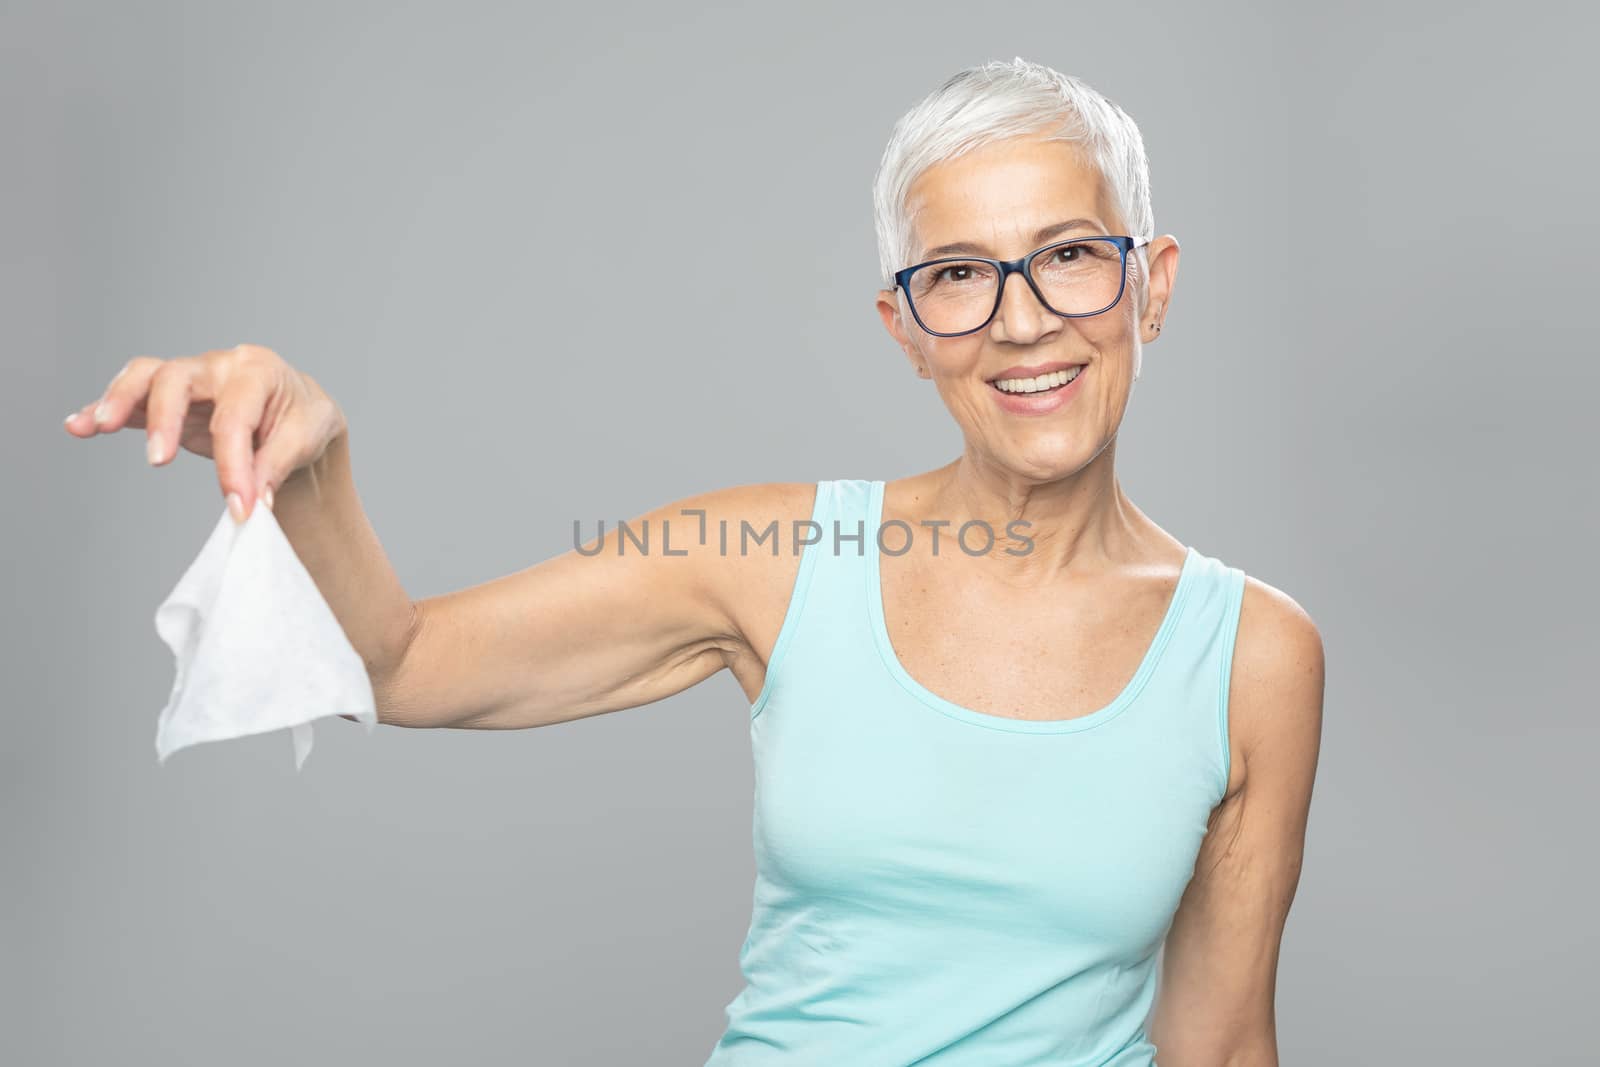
(245, 407)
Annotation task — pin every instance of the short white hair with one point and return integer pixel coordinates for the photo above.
(994, 101)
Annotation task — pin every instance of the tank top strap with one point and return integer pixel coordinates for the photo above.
(825, 625)
(833, 545)
(1188, 687)
(847, 534)
(838, 581)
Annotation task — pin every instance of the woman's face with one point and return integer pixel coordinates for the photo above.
(1001, 200)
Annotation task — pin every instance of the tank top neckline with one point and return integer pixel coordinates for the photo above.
(891, 661)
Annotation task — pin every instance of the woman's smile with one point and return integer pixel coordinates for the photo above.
(1037, 390)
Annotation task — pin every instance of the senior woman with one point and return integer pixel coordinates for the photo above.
(997, 772)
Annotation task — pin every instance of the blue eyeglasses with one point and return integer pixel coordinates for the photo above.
(1076, 278)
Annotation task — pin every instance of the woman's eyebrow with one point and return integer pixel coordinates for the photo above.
(1042, 235)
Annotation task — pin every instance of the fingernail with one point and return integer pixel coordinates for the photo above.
(236, 507)
(266, 495)
(100, 412)
(70, 416)
(152, 448)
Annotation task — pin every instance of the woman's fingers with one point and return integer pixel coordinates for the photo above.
(237, 412)
(172, 387)
(123, 403)
(217, 404)
(120, 400)
(276, 459)
(78, 423)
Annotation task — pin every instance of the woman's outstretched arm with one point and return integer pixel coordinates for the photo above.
(577, 635)
(608, 627)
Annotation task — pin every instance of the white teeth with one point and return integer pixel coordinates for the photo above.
(1034, 385)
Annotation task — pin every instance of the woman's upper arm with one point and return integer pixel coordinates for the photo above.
(588, 632)
(1219, 971)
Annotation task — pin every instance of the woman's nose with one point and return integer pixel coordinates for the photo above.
(1021, 317)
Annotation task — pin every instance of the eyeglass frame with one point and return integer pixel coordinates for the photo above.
(1021, 265)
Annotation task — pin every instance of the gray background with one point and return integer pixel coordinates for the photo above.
(1372, 392)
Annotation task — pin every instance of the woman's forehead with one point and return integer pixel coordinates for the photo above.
(1001, 195)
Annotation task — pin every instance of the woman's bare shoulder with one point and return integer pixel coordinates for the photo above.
(749, 528)
(1276, 687)
(771, 499)
(746, 514)
(754, 532)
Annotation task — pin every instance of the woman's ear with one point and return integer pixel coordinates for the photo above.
(1163, 255)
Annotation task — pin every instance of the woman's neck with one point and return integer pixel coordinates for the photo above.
(1082, 522)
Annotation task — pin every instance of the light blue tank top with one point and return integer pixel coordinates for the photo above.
(949, 888)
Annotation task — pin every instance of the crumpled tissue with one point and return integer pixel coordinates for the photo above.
(257, 648)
